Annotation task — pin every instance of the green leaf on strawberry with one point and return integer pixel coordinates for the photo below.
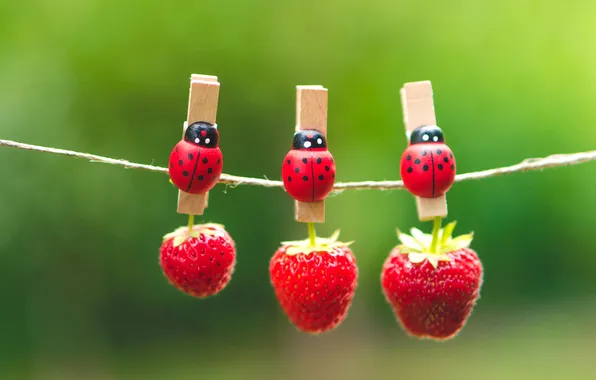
(418, 245)
(321, 245)
(182, 234)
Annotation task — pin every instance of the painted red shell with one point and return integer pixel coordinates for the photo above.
(428, 164)
(308, 170)
(196, 162)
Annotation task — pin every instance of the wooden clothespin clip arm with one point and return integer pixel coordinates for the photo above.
(419, 110)
(311, 113)
(202, 106)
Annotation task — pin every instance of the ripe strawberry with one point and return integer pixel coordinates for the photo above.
(199, 263)
(432, 292)
(314, 283)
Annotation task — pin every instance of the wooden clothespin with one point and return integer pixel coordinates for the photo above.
(418, 110)
(311, 113)
(202, 106)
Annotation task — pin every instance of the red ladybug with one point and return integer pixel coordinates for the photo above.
(196, 161)
(308, 170)
(428, 165)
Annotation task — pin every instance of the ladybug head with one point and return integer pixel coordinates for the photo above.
(202, 133)
(309, 138)
(427, 134)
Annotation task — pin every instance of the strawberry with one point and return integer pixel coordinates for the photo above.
(199, 263)
(432, 288)
(314, 281)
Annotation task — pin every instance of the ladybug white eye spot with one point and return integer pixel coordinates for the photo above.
(435, 138)
(319, 141)
(207, 140)
(197, 140)
(307, 144)
(425, 137)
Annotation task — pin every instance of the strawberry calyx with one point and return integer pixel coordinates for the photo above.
(306, 246)
(419, 246)
(181, 234)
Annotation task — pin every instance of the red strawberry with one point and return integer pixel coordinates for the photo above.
(314, 283)
(432, 292)
(200, 263)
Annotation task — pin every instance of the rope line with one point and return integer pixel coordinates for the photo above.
(530, 164)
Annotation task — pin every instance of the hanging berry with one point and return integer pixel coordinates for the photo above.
(432, 282)
(308, 170)
(199, 259)
(428, 165)
(196, 161)
(314, 281)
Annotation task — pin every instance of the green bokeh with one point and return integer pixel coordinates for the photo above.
(82, 294)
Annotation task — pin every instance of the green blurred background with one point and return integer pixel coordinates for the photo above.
(82, 295)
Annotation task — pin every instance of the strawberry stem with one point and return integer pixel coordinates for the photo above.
(191, 221)
(312, 234)
(436, 229)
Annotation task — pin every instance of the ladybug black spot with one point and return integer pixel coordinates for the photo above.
(205, 160)
(180, 162)
(297, 170)
(424, 152)
(185, 173)
(425, 167)
(321, 177)
(440, 166)
(408, 157)
(439, 151)
(333, 175)
(304, 160)
(410, 169)
(319, 160)
(289, 162)
(417, 162)
(327, 168)
(210, 170)
(305, 178)
(200, 178)
(452, 167)
(445, 159)
(451, 155)
(219, 160)
(289, 179)
(190, 156)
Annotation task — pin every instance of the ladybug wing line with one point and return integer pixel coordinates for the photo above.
(194, 170)
(432, 166)
(312, 173)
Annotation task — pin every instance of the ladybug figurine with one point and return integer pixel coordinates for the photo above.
(196, 161)
(308, 170)
(428, 165)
